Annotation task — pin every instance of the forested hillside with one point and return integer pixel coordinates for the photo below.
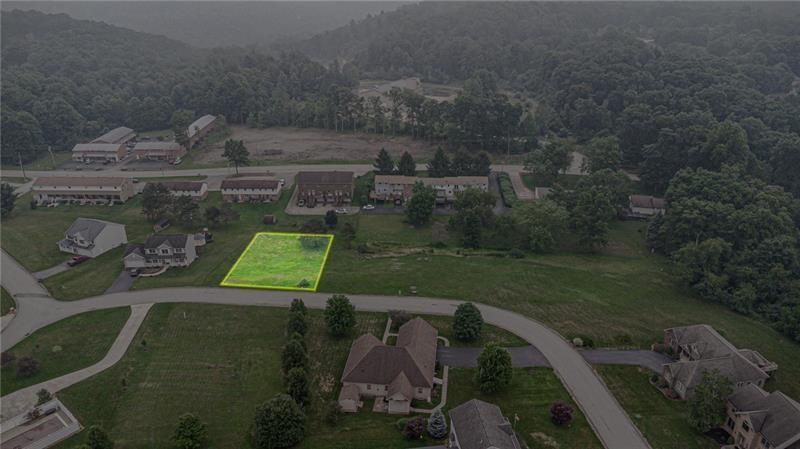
(65, 80)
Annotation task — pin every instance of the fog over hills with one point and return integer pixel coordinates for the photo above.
(218, 24)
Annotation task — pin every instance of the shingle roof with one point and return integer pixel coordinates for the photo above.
(134, 248)
(269, 184)
(401, 385)
(481, 425)
(157, 146)
(96, 147)
(199, 124)
(733, 366)
(702, 340)
(113, 136)
(371, 361)
(76, 181)
(646, 201)
(193, 186)
(452, 180)
(88, 228)
(349, 392)
(173, 240)
(774, 415)
(325, 177)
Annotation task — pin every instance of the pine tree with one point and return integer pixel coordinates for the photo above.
(407, 166)
(437, 425)
(384, 165)
(439, 166)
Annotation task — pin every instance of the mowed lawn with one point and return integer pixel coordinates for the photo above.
(65, 346)
(6, 301)
(281, 261)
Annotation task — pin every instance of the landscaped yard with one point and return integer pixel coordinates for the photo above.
(281, 261)
(662, 421)
(65, 346)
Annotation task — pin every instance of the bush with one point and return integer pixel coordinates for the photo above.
(494, 369)
(516, 253)
(294, 356)
(399, 317)
(297, 385)
(191, 433)
(33, 204)
(97, 438)
(313, 226)
(331, 218)
(298, 338)
(400, 424)
(43, 396)
(560, 413)
(362, 248)
(660, 348)
(279, 423)
(296, 323)
(27, 366)
(340, 315)
(467, 322)
(414, 428)
(333, 412)
(298, 306)
(6, 359)
(437, 425)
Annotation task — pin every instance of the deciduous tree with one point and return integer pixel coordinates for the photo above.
(467, 322)
(340, 315)
(494, 369)
(191, 432)
(707, 404)
(419, 209)
(279, 423)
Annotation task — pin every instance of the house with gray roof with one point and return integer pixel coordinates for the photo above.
(756, 419)
(700, 348)
(119, 135)
(90, 237)
(395, 375)
(476, 424)
(200, 128)
(162, 250)
(98, 152)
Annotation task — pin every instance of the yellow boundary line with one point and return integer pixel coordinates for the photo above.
(329, 237)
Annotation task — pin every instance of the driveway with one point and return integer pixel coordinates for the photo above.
(122, 283)
(52, 271)
(521, 357)
(607, 418)
(639, 357)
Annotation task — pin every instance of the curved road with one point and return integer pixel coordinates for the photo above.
(609, 421)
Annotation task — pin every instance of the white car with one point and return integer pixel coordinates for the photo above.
(368, 207)
(341, 210)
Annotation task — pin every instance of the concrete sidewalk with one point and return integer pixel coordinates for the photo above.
(52, 271)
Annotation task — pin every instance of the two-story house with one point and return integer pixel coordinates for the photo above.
(160, 250)
(400, 188)
(90, 237)
(756, 419)
(477, 424)
(260, 190)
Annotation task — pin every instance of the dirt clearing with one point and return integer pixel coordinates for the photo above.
(298, 145)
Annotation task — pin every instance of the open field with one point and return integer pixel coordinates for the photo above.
(6, 302)
(281, 261)
(294, 145)
(662, 421)
(221, 362)
(65, 346)
(43, 162)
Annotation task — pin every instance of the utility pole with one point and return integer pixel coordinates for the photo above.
(21, 167)
(52, 157)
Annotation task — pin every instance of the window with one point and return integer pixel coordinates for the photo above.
(165, 251)
(369, 387)
(745, 427)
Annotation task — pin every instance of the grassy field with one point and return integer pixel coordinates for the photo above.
(6, 301)
(44, 162)
(221, 362)
(90, 278)
(281, 261)
(662, 421)
(65, 346)
(530, 395)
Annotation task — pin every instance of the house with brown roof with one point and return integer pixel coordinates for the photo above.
(400, 188)
(700, 348)
(325, 188)
(98, 152)
(756, 419)
(644, 206)
(159, 151)
(257, 190)
(395, 375)
(119, 135)
(196, 190)
(476, 424)
(88, 190)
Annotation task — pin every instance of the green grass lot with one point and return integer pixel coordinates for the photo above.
(281, 261)
(530, 395)
(568, 181)
(43, 162)
(662, 421)
(155, 134)
(221, 362)
(6, 302)
(65, 346)
(90, 278)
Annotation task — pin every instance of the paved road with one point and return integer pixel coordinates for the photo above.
(21, 400)
(639, 357)
(607, 418)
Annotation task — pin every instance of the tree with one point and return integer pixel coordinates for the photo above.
(602, 153)
(331, 218)
(467, 322)
(494, 369)
(298, 306)
(407, 166)
(27, 366)
(236, 153)
(419, 208)
(293, 356)
(543, 222)
(296, 323)
(7, 198)
(461, 165)
(481, 165)
(591, 215)
(473, 200)
(707, 404)
(548, 161)
(384, 165)
(560, 413)
(279, 423)
(348, 234)
(414, 428)
(212, 215)
(472, 230)
(180, 121)
(97, 438)
(726, 144)
(43, 396)
(340, 315)
(297, 385)
(437, 425)
(185, 211)
(439, 166)
(191, 432)
(156, 201)
(333, 411)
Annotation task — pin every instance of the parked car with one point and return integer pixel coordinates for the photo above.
(341, 210)
(368, 207)
(77, 260)
(134, 272)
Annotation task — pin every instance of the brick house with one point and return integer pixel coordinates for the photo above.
(98, 152)
(159, 151)
(93, 190)
(325, 187)
(756, 419)
(259, 190)
(400, 188)
(196, 190)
